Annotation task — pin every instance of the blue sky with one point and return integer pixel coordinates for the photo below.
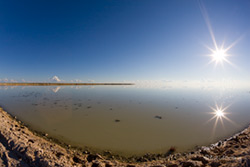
(121, 40)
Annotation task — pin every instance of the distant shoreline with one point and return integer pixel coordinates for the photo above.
(59, 84)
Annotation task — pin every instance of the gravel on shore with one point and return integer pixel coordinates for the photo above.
(19, 146)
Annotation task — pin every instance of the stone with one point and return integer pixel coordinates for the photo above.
(76, 159)
(204, 160)
(31, 141)
(109, 164)
(243, 146)
(98, 164)
(215, 164)
(131, 165)
(172, 165)
(158, 117)
(229, 152)
(219, 143)
(92, 157)
(190, 163)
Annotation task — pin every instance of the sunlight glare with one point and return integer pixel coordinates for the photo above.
(219, 55)
(219, 113)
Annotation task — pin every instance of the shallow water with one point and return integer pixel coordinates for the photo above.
(129, 120)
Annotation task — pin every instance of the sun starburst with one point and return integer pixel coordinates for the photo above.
(219, 54)
(219, 113)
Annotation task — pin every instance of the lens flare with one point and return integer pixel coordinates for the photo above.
(219, 114)
(219, 55)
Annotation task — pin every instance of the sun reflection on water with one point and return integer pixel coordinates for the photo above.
(219, 113)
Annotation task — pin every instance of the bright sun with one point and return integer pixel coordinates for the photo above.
(219, 55)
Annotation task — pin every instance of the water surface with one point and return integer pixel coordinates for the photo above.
(128, 119)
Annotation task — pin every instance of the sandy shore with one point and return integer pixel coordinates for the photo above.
(21, 147)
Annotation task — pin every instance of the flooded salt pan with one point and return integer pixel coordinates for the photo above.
(129, 120)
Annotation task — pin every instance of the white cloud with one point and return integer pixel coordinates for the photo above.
(56, 89)
(76, 81)
(55, 79)
(12, 80)
(7, 80)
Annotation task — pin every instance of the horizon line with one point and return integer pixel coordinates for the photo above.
(56, 84)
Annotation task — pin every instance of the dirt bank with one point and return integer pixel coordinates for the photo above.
(21, 147)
